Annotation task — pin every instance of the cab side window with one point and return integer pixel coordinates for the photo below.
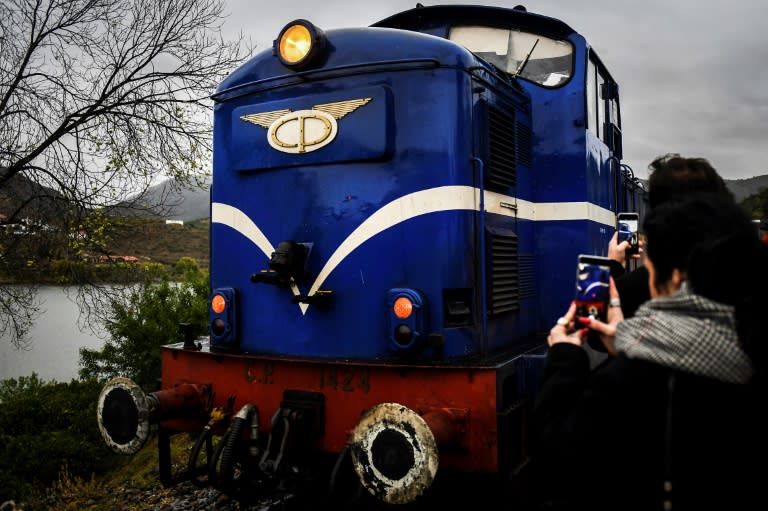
(603, 114)
(592, 120)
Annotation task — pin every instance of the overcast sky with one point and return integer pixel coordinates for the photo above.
(693, 74)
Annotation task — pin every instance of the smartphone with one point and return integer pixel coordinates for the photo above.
(592, 281)
(627, 228)
(592, 292)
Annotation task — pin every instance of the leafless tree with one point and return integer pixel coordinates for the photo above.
(98, 99)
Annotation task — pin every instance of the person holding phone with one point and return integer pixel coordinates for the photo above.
(671, 177)
(673, 420)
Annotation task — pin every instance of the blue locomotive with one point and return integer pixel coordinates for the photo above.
(396, 213)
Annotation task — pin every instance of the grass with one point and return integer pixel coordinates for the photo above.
(133, 485)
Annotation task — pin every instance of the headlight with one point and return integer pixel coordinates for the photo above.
(299, 43)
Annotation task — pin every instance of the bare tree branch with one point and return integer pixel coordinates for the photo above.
(99, 99)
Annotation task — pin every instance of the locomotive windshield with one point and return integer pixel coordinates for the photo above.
(550, 61)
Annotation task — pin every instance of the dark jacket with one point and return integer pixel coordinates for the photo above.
(632, 286)
(611, 437)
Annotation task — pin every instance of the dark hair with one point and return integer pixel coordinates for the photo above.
(713, 240)
(673, 176)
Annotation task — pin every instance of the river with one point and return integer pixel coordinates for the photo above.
(53, 352)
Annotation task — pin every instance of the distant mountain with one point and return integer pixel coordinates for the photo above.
(740, 188)
(169, 201)
(165, 200)
(24, 198)
(743, 188)
(183, 203)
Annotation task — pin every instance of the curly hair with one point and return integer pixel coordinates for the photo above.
(673, 176)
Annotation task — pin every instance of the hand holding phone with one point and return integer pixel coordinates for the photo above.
(592, 292)
(627, 228)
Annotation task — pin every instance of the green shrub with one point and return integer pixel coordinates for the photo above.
(45, 428)
(48, 428)
(143, 322)
(67, 272)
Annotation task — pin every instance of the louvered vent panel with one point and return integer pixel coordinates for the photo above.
(504, 285)
(526, 271)
(524, 144)
(501, 148)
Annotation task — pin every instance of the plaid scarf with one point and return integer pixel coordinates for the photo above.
(687, 332)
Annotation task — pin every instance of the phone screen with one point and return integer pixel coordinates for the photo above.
(592, 283)
(628, 230)
(593, 275)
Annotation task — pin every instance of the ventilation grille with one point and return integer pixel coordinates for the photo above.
(504, 275)
(526, 270)
(524, 144)
(501, 148)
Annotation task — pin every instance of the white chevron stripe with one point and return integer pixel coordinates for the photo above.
(239, 221)
(409, 206)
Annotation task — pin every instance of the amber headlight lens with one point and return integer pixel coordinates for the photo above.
(218, 304)
(403, 307)
(295, 43)
(298, 43)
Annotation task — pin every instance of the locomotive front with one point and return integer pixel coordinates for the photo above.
(347, 193)
(369, 301)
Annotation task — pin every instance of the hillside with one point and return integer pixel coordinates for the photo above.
(743, 188)
(168, 201)
(161, 242)
(24, 198)
(740, 188)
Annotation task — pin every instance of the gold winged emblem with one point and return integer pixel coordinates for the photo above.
(303, 131)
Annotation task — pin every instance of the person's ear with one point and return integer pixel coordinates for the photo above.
(676, 280)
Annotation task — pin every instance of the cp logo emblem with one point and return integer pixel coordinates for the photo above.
(304, 131)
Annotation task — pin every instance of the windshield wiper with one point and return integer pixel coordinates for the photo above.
(525, 60)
